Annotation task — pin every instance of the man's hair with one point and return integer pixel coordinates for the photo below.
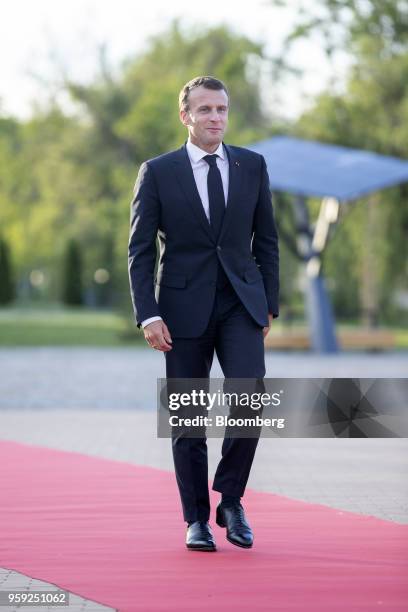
(208, 82)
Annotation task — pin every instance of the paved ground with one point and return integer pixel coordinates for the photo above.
(367, 476)
(98, 379)
(14, 581)
(102, 402)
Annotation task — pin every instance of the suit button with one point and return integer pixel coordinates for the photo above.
(218, 247)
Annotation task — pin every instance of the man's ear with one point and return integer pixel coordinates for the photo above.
(184, 117)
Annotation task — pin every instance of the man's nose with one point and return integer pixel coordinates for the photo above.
(215, 115)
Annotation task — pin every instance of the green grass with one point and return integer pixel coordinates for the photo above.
(401, 338)
(65, 327)
(57, 326)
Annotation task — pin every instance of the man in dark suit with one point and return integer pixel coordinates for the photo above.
(216, 286)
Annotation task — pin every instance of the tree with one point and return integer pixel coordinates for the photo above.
(365, 259)
(372, 114)
(73, 175)
(72, 275)
(7, 288)
(343, 24)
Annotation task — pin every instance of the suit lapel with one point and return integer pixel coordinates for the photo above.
(187, 182)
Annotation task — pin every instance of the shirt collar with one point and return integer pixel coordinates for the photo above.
(196, 154)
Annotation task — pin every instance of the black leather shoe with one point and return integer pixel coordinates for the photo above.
(199, 537)
(233, 518)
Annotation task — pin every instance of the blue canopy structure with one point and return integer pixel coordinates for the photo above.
(306, 168)
(311, 168)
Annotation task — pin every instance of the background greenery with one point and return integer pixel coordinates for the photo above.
(66, 179)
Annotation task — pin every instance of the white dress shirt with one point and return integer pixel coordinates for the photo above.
(200, 171)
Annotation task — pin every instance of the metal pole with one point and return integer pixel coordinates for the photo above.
(318, 307)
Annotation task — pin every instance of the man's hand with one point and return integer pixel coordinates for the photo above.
(266, 329)
(158, 336)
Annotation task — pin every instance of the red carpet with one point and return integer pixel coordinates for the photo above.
(96, 527)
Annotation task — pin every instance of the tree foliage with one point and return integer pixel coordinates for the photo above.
(369, 111)
(7, 287)
(73, 175)
(72, 291)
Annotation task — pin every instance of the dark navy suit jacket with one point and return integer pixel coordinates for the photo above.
(167, 206)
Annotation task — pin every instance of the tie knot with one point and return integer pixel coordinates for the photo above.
(211, 159)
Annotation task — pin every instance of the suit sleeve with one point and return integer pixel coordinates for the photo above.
(265, 246)
(144, 224)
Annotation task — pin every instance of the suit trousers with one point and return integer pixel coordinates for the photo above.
(238, 342)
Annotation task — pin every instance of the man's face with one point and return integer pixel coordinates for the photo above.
(207, 117)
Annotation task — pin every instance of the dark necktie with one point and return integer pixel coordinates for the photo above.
(215, 194)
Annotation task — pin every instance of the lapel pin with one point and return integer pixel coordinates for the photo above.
(237, 163)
